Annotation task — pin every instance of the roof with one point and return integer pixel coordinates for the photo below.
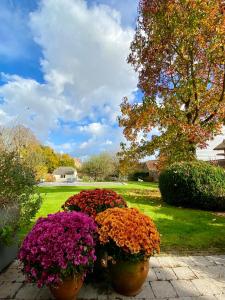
(151, 165)
(221, 146)
(64, 171)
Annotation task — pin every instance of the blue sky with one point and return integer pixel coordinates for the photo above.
(64, 71)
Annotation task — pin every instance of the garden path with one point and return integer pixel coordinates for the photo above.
(170, 277)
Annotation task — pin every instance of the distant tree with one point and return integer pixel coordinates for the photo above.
(179, 54)
(50, 158)
(65, 160)
(17, 138)
(100, 167)
(42, 159)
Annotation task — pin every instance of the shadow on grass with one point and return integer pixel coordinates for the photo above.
(182, 230)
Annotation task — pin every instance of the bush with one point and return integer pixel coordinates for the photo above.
(92, 202)
(18, 195)
(194, 184)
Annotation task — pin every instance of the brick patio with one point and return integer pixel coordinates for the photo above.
(170, 277)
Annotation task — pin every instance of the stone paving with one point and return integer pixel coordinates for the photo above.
(170, 277)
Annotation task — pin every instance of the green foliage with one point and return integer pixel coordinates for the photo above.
(139, 175)
(18, 195)
(194, 184)
(100, 167)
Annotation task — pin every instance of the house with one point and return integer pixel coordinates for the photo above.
(221, 147)
(220, 162)
(152, 170)
(146, 171)
(65, 174)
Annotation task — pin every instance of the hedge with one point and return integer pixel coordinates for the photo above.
(195, 184)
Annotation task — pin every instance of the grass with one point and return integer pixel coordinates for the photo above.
(182, 230)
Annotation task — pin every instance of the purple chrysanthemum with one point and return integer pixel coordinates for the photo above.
(59, 245)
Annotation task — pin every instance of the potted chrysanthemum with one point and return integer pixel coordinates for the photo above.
(93, 202)
(58, 252)
(130, 238)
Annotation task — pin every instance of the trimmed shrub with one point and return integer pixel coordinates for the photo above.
(195, 184)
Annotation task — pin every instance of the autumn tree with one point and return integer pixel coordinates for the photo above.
(179, 55)
(100, 167)
(65, 160)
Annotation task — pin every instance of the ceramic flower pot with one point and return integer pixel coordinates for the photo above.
(68, 289)
(128, 277)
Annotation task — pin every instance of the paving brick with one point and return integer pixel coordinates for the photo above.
(200, 271)
(217, 271)
(202, 261)
(207, 287)
(44, 294)
(88, 292)
(184, 273)
(146, 293)
(151, 275)
(165, 273)
(27, 292)
(163, 289)
(217, 259)
(154, 262)
(15, 265)
(8, 289)
(115, 296)
(181, 261)
(183, 298)
(205, 298)
(12, 275)
(220, 297)
(165, 261)
(185, 288)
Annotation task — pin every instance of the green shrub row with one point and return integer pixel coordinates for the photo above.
(194, 184)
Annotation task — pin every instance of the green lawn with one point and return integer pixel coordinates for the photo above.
(182, 230)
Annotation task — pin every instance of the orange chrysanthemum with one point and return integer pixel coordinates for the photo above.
(131, 230)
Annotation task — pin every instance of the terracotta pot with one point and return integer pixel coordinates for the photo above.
(128, 277)
(68, 289)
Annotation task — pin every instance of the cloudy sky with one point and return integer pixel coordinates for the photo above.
(63, 70)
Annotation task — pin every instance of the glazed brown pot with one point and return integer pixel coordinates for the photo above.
(68, 289)
(128, 277)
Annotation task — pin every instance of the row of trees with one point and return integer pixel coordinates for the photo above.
(42, 159)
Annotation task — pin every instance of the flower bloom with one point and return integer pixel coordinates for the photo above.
(129, 229)
(92, 202)
(58, 246)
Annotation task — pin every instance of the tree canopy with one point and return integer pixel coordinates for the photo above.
(42, 159)
(179, 55)
(101, 167)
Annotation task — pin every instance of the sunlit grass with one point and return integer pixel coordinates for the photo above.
(182, 230)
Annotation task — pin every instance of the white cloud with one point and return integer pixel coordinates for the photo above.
(87, 55)
(63, 148)
(85, 70)
(94, 128)
(14, 33)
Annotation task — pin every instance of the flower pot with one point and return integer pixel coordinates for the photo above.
(9, 216)
(68, 289)
(128, 277)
